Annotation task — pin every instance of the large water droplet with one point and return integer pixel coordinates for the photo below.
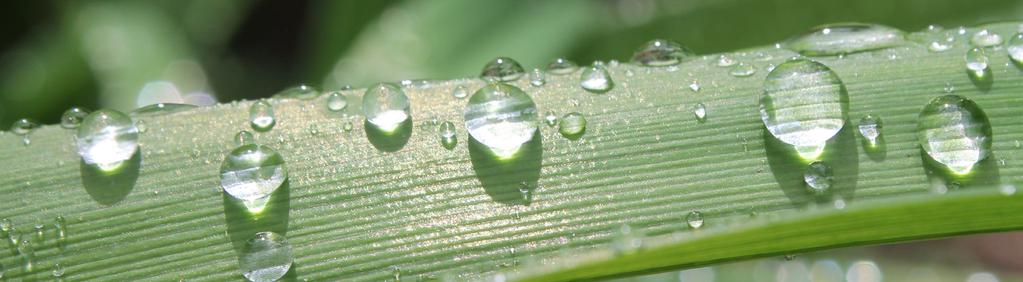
(447, 133)
(386, 106)
(301, 91)
(803, 105)
(954, 132)
(73, 117)
(977, 62)
(336, 101)
(837, 39)
(694, 219)
(596, 79)
(659, 53)
(266, 257)
(251, 173)
(818, 177)
(1015, 48)
(870, 128)
(501, 117)
(261, 116)
(572, 125)
(107, 138)
(985, 38)
(561, 66)
(502, 69)
(24, 126)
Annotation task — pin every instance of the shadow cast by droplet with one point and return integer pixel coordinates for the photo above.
(984, 173)
(110, 187)
(503, 177)
(242, 224)
(983, 82)
(388, 141)
(877, 152)
(841, 154)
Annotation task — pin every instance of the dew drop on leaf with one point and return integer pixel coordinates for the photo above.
(955, 132)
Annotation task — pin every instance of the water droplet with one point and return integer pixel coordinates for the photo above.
(537, 78)
(261, 116)
(949, 88)
(501, 117)
(5, 225)
(1007, 189)
(550, 119)
(73, 117)
(58, 270)
(939, 45)
(107, 138)
(460, 92)
(725, 61)
(836, 39)
(695, 86)
(447, 133)
(660, 53)
(572, 125)
(243, 137)
(386, 106)
(701, 112)
(743, 70)
(314, 129)
(61, 225)
(141, 126)
(524, 191)
(976, 62)
(596, 79)
(627, 241)
(266, 257)
(251, 173)
(561, 66)
(347, 126)
(301, 91)
(161, 109)
(803, 104)
(396, 273)
(870, 128)
(694, 219)
(985, 38)
(1015, 48)
(818, 177)
(954, 132)
(502, 69)
(24, 126)
(336, 101)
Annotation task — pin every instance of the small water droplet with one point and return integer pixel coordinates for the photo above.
(1015, 48)
(694, 219)
(537, 77)
(161, 109)
(501, 117)
(550, 119)
(460, 92)
(572, 125)
(261, 116)
(700, 111)
(243, 137)
(955, 132)
(396, 273)
(24, 126)
(836, 39)
(818, 177)
(596, 79)
(949, 88)
(141, 126)
(742, 70)
(725, 61)
(561, 66)
(870, 128)
(977, 62)
(5, 225)
(695, 86)
(107, 138)
(73, 117)
(347, 126)
(386, 106)
(314, 129)
(250, 173)
(985, 38)
(301, 91)
(788, 89)
(659, 53)
(336, 101)
(61, 225)
(58, 270)
(502, 69)
(448, 135)
(266, 257)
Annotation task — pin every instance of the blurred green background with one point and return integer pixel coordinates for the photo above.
(125, 54)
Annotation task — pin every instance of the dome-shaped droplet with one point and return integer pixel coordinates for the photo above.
(596, 79)
(107, 138)
(659, 53)
(1015, 48)
(501, 117)
(24, 126)
(936, 39)
(261, 116)
(836, 39)
(985, 38)
(243, 137)
(561, 66)
(550, 119)
(58, 270)
(502, 69)
(460, 92)
(572, 125)
(301, 91)
(336, 101)
(537, 77)
(725, 61)
(700, 111)
(870, 128)
(266, 257)
(977, 62)
(161, 109)
(954, 132)
(73, 117)
(252, 172)
(742, 70)
(347, 126)
(694, 219)
(818, 177)
(386, 106)
(448, 135)
(803, 104)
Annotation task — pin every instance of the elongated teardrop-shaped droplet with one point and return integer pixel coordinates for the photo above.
(261, 116)
(700, 111)
(1015, 48)
(24, 126)
(870, 128)
(985, 38)
(266, 257)
(537, 77)
(596, 79)
(386, 106)
(660, 53)
(448, 135)
(501, 117)
(694, 219)
(460, 92)
(550, 119)
(572, 125)
(837, 39)
(107, 138)
(977, 62)
(561, 66)
(251, 172)
(243, 137)
(73, 117)
(301, 91)
(336, 101)
(818, 177)
(803, 104)
(954, 132)
(502, 69)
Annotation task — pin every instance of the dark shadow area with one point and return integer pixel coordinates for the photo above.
(876, 152)
(984, 173)
(982, 82)
(242, 225)
(502, 178)
(110, 187)
(388, 141)
(841, 154)
(1019, 65)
